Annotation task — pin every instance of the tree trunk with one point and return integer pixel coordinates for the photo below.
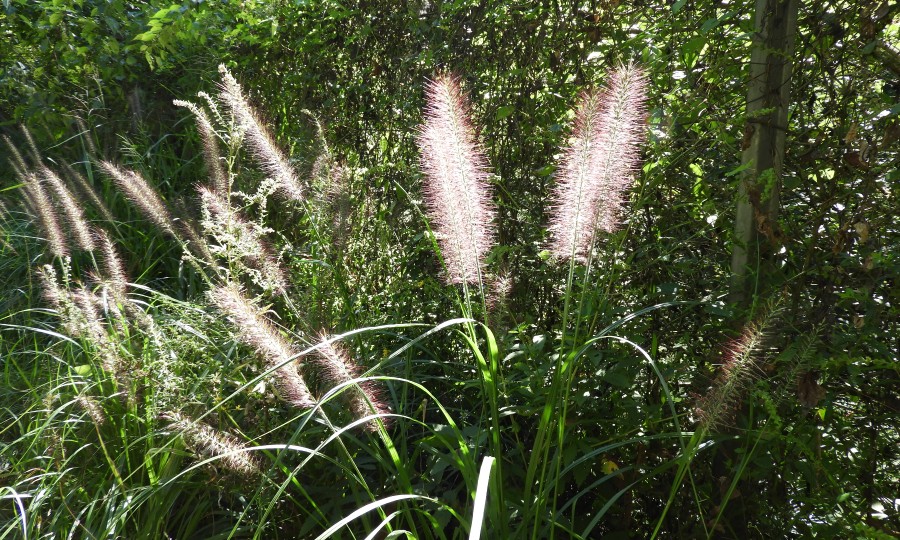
(756, 232)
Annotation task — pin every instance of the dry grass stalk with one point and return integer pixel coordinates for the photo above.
(210, 147)
(208, 442)
(261, 143)
(456, 187)
(255, 331)
(74, 215)
(338, 368)
(139, 192)
(600, 164)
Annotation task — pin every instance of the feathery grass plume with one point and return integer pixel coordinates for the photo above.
(600, 164)
(261, 143)
(46, 215)
(456, 187)
(259, 334)
(86, 189)
(213, 107)
(740, 368)
(208, 442)
(53, 292)
(79, 317)
(236, 234)
(35, 154)
(365, 399)
(74, 215)
(497, 301)
(116, 276)
(139, 192)
(94, 330)
(89, 405)
(16, 161)
(210, 146)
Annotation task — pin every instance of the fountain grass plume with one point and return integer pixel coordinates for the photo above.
(600, 163)
(80, 317)
(87, 190)
(89, 405)
(262, 145)
(208, 442)
(35, 153)
(78, 225)
(16, 160)
(211, 154)
(255, 331)
(739, 369)
(141, 194)
(338, 368)
(112, 264)
(46, 215)
(456, 181)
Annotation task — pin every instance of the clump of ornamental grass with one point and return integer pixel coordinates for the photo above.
(599, 164)
(597, 169)
(363, 397)
(456, 188)
(255, 331)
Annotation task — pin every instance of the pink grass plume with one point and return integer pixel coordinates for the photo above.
(457, 195)
(600, 163)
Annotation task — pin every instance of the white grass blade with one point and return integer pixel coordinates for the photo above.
(484, 477)
(365, 509)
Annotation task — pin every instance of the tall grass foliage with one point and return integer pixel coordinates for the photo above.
(270, 405)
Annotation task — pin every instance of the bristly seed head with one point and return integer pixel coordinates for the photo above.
(74, 214)
(46, 214)
(739, 369)
(338, 368)
(139, 192)
(257, 332)
(210, 147)
(456, 188)
(600, 164)
(209, 442)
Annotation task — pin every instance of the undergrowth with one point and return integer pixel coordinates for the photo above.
(286, 383)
